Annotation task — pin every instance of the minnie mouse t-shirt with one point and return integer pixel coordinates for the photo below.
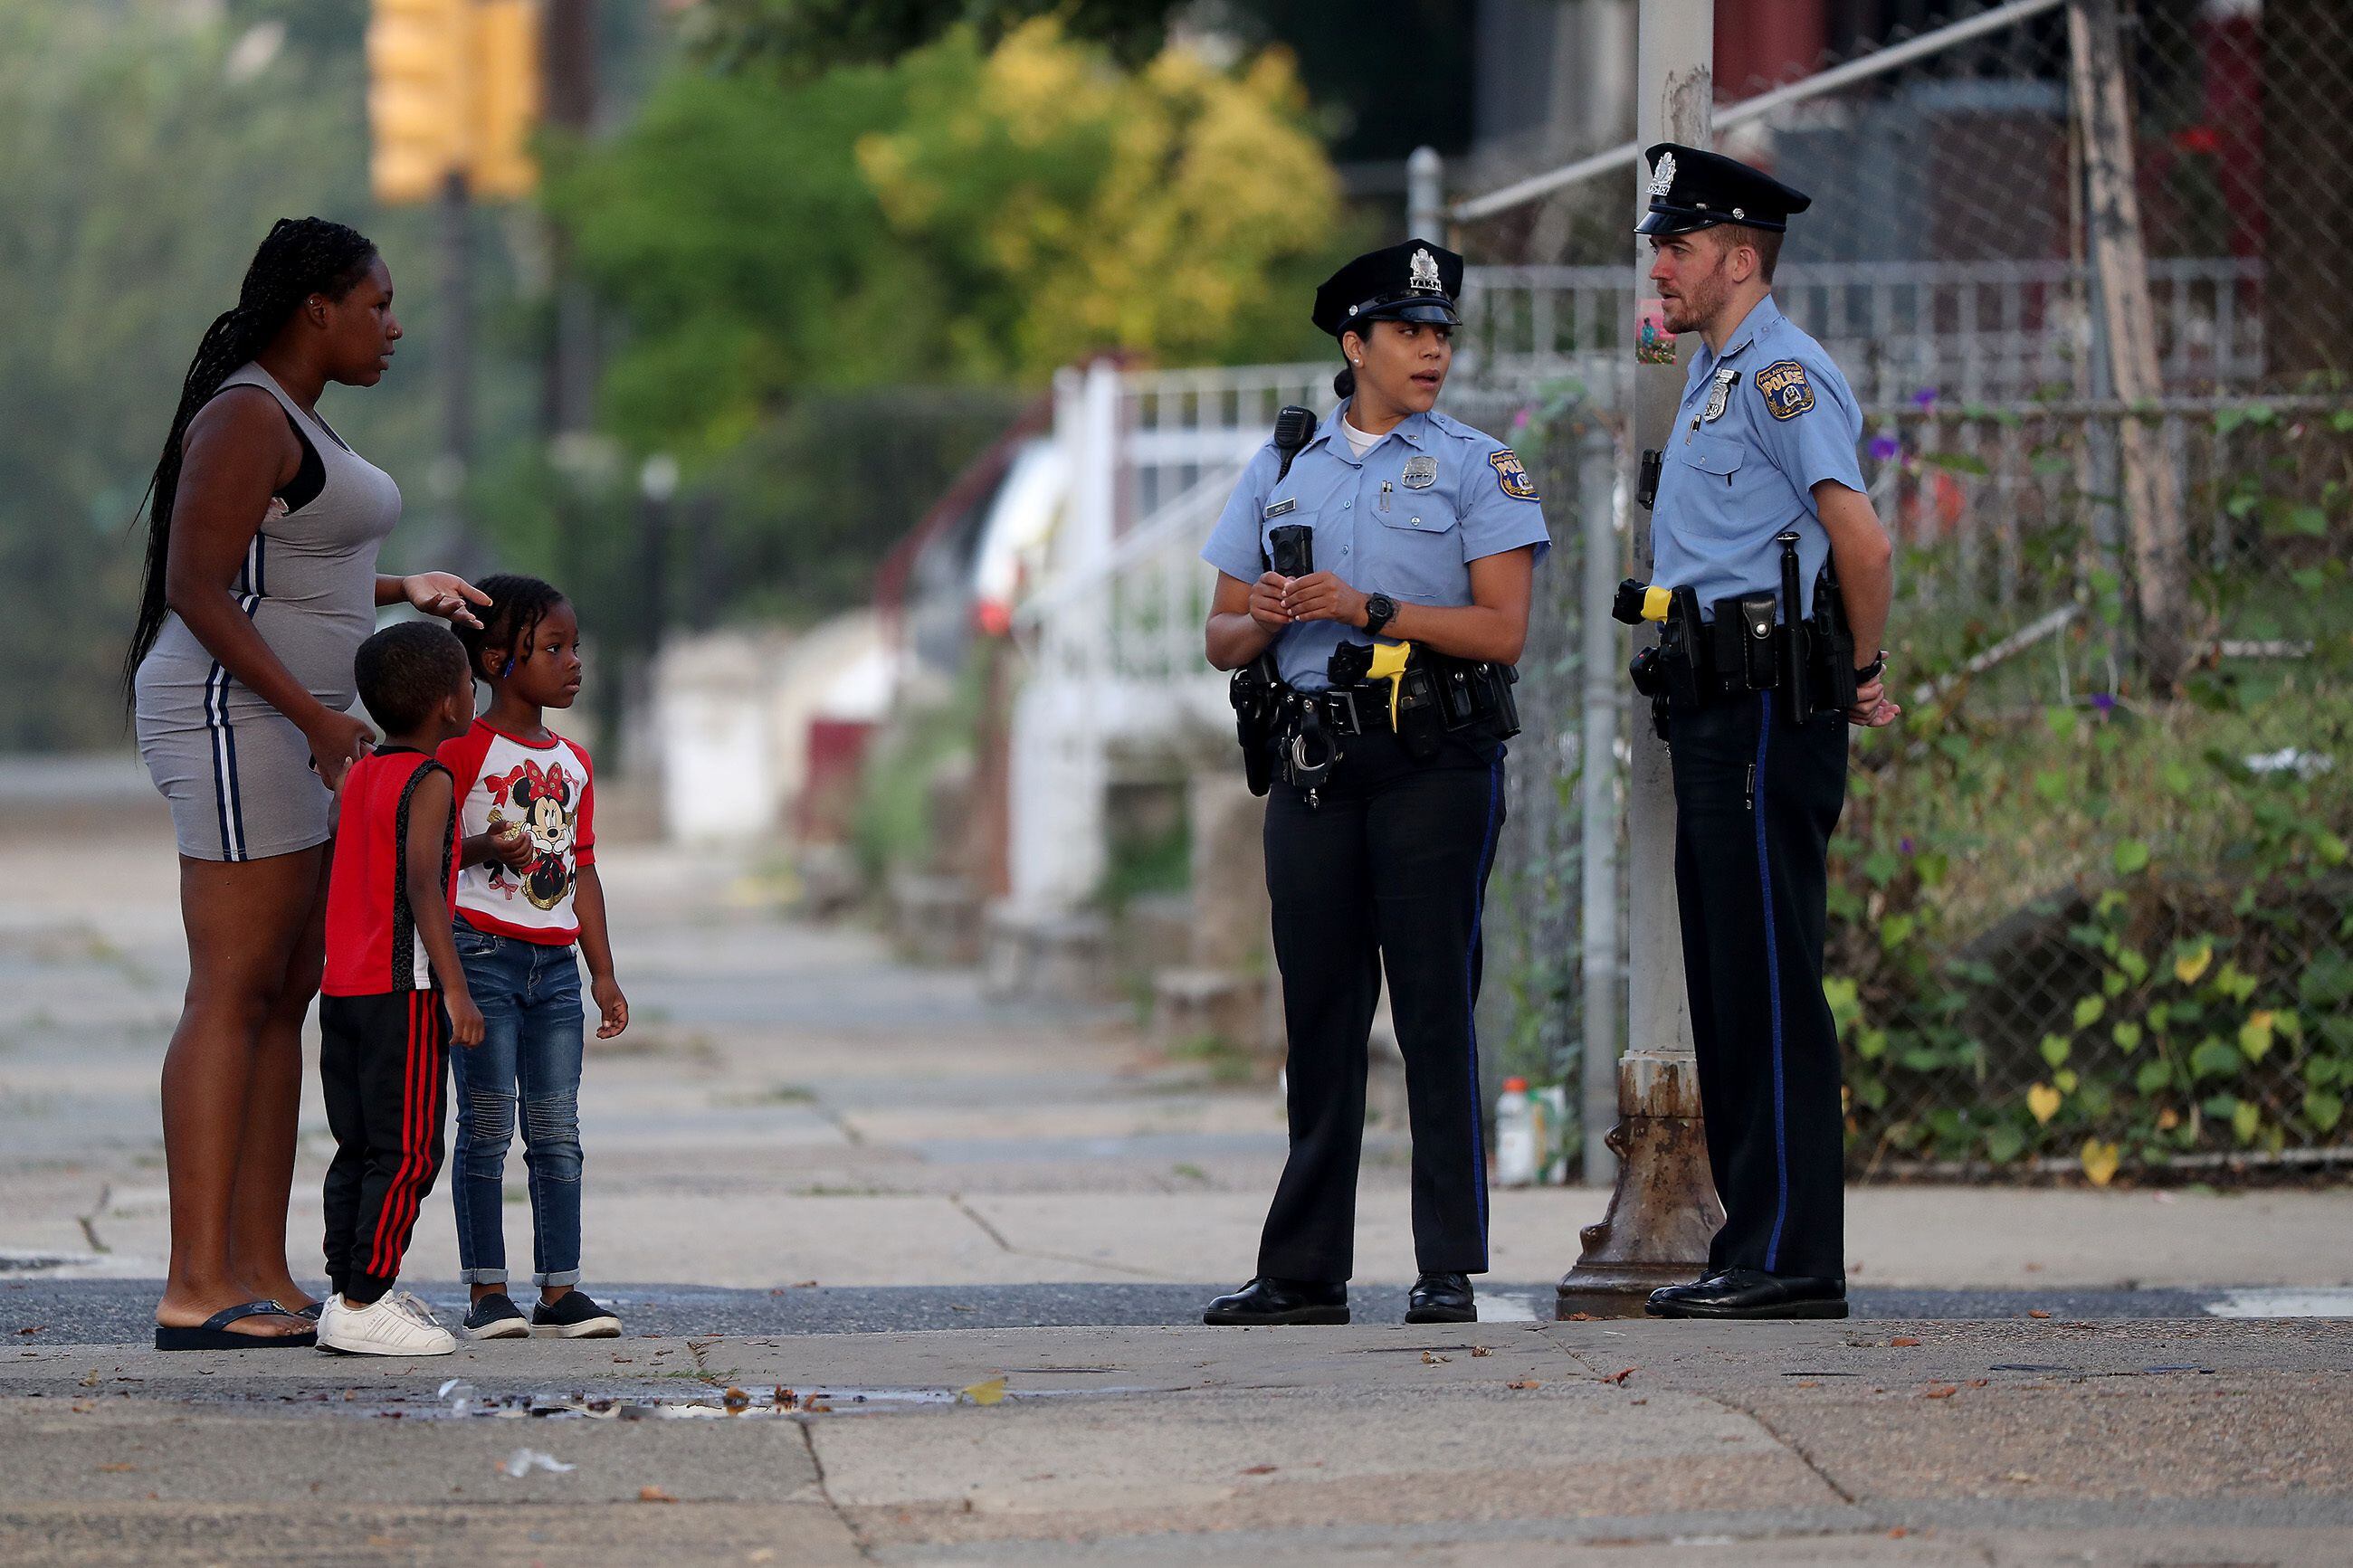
(546, 787)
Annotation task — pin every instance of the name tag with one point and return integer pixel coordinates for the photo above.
(1279, 508)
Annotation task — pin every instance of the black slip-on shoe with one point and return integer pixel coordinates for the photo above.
(1442, 1298)
(1266, 1300)
(497, 1318)
(573, 1316)
(1751, 1293)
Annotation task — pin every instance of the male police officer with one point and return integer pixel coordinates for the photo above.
(1760, 463)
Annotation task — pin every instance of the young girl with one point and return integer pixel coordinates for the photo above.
(527, 891)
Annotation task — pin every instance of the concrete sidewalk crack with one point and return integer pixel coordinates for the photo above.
(1794, 1447)
(89, 1221)
(825, 1489)
(998, 1237)
(975, 1215)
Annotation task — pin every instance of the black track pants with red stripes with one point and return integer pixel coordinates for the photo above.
(382, 1064)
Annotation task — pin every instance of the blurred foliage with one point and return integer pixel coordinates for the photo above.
(783, 528)
(145, 148)
(2173, 978)
(926, 748)
(119, 253)
(961, 216)
(1372, 104)
(799, 39)
(816, 296)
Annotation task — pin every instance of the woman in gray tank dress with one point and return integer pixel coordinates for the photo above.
(261, 585)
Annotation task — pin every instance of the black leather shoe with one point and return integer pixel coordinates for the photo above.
(1442, 1298)
(1266, 1300)
(1751, 1293)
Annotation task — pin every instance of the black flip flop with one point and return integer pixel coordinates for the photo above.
(214, 1333)
(310, 1311)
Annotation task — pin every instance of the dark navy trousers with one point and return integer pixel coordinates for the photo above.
(1756, 801)
(1389, 873)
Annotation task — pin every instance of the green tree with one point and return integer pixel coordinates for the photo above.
(1178, 212)
(145, 148)
(140, 159)
(962, 216)
(803, 38)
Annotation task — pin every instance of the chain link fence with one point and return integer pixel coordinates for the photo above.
(1950, 193)
(2089, 899)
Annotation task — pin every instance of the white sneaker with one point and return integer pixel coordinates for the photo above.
(395, 1324)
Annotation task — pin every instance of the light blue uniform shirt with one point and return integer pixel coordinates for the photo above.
(1428, 499)
(1735, 477)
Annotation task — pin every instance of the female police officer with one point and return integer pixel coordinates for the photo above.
(1424, 534)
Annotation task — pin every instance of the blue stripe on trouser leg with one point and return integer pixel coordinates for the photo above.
(1772, 988)
(1470, 992)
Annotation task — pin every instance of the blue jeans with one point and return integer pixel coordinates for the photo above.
(531, 1050)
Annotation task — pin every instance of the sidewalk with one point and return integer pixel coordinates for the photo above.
(792, 1106)
(1496, 1444)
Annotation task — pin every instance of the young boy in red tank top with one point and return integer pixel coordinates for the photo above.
(391, 967)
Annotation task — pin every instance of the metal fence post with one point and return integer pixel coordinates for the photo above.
(1425, 195)
(1663, 1213)
(1596, 502)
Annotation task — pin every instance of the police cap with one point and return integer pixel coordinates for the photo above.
(1692, 188)
(1416, 281)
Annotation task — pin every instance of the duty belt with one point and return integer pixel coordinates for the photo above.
(1416, 695)
(1746, 648)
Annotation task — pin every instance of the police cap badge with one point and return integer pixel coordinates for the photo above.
(1415, 281)
(1692, 188)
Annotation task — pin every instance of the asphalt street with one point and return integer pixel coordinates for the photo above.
(120, 1311)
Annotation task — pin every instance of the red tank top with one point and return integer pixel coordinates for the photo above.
(371, 943)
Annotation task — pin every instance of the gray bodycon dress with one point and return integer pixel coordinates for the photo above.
(236, 770)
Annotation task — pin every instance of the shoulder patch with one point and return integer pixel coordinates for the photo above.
(1511, 475)
(1784, 388)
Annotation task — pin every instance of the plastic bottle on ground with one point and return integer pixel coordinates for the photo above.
(1517, 1150)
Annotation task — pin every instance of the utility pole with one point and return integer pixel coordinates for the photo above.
(569, 62)
(454, 349)
(453, 91)
(2152, 497)
(1662, 1212)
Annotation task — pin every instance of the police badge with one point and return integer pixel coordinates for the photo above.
(1425, 278)
(1421, 473)
(1663, 177)
(1720, 392)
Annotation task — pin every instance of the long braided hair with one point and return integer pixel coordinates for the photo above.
(301, 257)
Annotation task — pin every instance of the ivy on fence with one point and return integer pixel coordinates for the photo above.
(2101, 933)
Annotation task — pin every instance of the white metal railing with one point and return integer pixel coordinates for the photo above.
(1975, 332)
(1147, 598)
